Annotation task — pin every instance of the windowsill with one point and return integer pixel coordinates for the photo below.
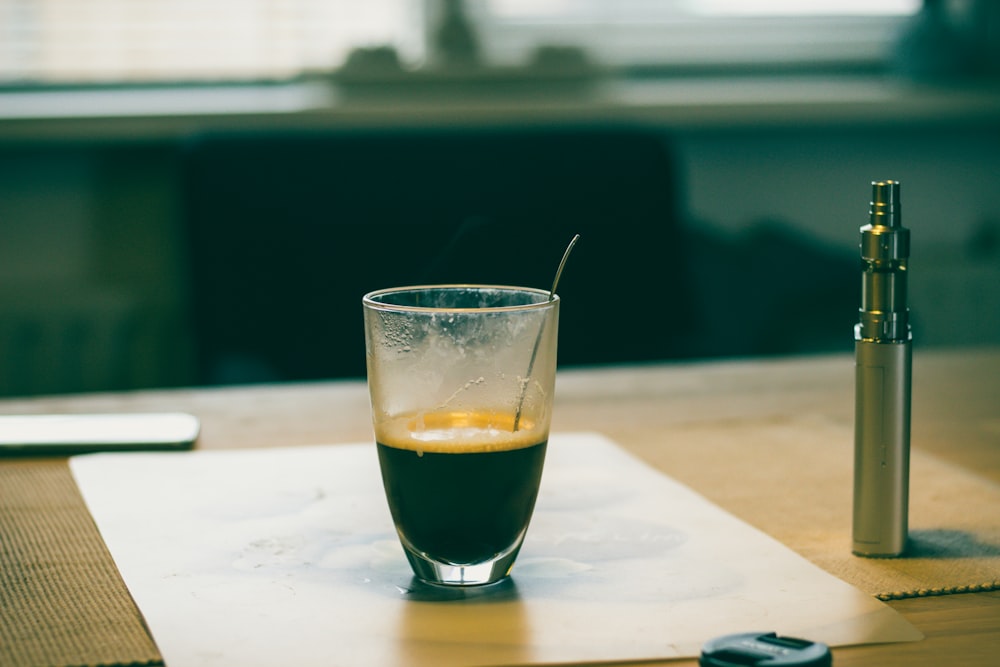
(164, 112)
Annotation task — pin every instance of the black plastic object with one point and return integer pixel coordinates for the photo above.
(755, 649)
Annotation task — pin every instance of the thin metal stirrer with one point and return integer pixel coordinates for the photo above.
(538, 339)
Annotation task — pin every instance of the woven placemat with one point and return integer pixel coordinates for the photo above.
(793, 479)
(62, 601)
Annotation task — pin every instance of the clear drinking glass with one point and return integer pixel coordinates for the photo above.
(461, 379)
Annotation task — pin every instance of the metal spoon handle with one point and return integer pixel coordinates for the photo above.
(538, 339)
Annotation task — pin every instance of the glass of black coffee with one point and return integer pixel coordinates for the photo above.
(461, 379)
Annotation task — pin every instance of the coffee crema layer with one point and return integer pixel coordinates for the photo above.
(455, 432)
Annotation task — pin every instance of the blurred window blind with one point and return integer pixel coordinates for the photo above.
(183, 40)
(699, 32)
(95, 41)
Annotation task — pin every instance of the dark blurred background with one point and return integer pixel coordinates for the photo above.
(210, 228)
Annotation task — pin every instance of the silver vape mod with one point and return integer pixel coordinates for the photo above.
(882, 382)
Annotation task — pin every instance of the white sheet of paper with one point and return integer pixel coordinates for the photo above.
(289, 556)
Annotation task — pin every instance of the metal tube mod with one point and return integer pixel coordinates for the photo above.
(882, 382)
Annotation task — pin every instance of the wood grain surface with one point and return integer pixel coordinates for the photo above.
(660, 412)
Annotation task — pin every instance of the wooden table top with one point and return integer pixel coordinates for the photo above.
(956, 417)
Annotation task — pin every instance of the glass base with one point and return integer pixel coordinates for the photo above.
(450, 574)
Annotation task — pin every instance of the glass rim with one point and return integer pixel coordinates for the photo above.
(369, 300)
